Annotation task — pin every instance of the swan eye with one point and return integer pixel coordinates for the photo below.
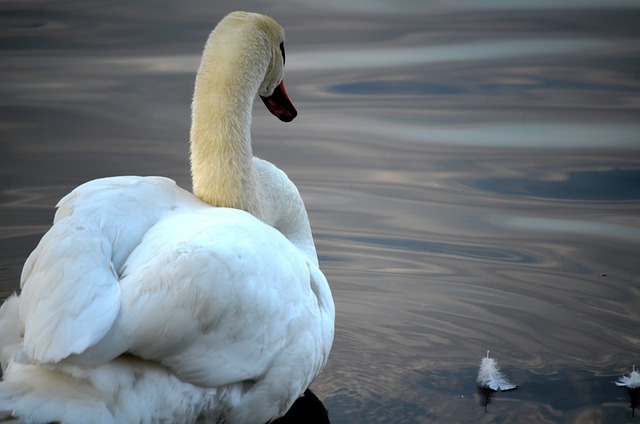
(282, 50)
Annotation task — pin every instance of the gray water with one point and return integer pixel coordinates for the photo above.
(471, 172)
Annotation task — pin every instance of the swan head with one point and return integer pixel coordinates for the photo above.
(272, 90)
(264, 41)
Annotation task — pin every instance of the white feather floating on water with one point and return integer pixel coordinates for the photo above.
(631, 381)
(490, 376)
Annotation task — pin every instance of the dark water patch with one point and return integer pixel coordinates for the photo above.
(609, 185)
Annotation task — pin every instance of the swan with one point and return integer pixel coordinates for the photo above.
(148, 303)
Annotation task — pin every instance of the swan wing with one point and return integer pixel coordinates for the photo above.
(217, 296)
(136, 264)
(71, 295)
(70, 282)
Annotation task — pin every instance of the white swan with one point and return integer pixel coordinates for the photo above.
(145, 303)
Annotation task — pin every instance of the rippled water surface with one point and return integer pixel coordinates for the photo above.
(472, 174)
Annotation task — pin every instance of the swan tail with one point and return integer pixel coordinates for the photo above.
(127, 389)
(31, 393)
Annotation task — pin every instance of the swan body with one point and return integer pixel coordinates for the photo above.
(147, 303)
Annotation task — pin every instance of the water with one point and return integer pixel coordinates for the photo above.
(472, 175)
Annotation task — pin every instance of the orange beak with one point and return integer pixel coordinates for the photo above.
(280, 104)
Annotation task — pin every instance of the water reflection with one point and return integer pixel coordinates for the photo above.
(539, 135)
(578, 227)
(473, 51)
(634, 397)
(470, 170)
(485, 396)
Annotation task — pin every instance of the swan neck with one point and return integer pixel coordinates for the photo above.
(221, 155)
